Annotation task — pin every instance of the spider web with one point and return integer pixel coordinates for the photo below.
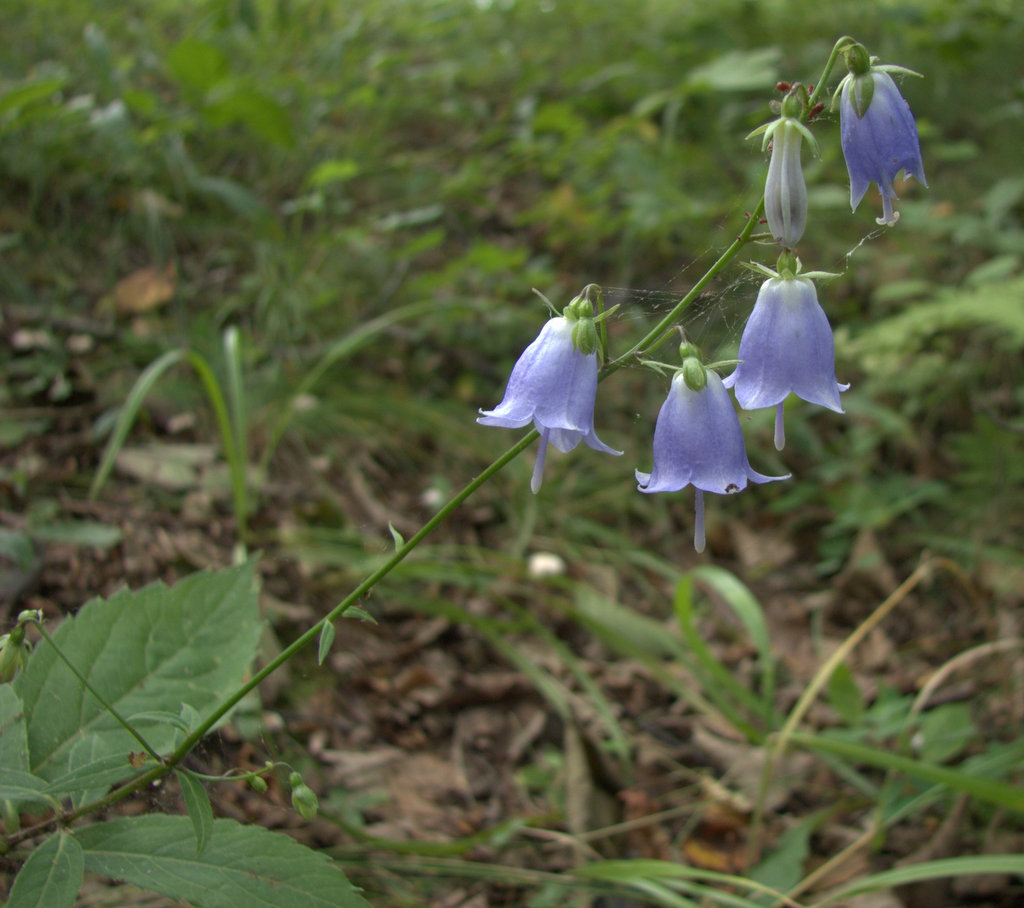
(715, 319)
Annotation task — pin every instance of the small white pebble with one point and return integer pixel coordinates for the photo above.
(545, 564)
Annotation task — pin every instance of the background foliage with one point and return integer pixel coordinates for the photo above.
(368, 191)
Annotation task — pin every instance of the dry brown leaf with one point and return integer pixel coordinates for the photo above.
(145, 289)
(719, 841)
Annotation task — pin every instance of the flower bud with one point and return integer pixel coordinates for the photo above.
(787, 265)
(792, 105)
(258, 783)
(584, 336)
(858, 60)
(694, 373)
(13, 653)
(304, 799)
(785, 192)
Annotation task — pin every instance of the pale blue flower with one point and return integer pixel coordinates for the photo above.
(553, 385)
(786, 346)
(698, 442)
(879, 138)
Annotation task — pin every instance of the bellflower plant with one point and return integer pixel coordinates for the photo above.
(787, 346)
(553, 385)
(698, 442)
(785, 192)
(877, 131)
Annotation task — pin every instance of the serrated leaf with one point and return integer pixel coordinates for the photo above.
(152, 649)
(52, 875)
(200, 811)
(241, 865)
(326, 639)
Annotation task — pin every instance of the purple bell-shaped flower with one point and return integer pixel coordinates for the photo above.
(877, 132)
(786, 346)
(553, 385)
(698, 442)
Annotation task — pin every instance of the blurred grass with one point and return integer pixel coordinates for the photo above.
(305, 168)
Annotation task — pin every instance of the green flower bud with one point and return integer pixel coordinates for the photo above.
(686, 349)
(859, 86)
(694, 373)
(13, 654)
(580, 307)
(787, 265)
(858, 60)
(584, 336)
(258, 783)
(792, 105)
(304, 799)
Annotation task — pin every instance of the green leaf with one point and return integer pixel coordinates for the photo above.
(79, 532)
(198, 65)
(159, 716)
(22, 786)
(256, 111)
(396, 536)
(133, 403)
(737, 70)
(52, 875)
(728, 694)
(29, 94)
(88, 774)
(197, 803)
(945, 732)
(240, 199)
(17, 547)
(152, 649)
(333, 171)
(13, 736)
(845, 696)
(784, 867)
(241, 865)
(930, 870)
(354, 611)
(1007, 796)
(743, 602)
(326, 639)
